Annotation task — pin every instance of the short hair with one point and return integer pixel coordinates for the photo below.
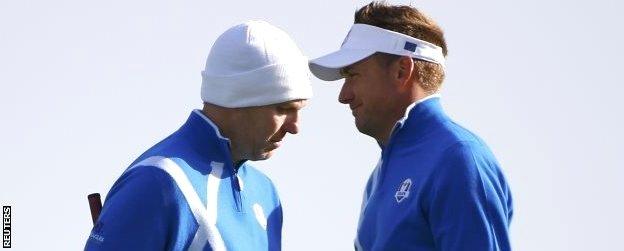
(412, 22)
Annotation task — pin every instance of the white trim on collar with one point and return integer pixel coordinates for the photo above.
(216, 129)
(411, 106)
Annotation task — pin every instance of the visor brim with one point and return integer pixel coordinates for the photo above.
(328, 67)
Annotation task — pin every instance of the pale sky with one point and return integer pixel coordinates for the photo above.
(87, 86)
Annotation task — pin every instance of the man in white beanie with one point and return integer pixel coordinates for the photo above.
(195, 190)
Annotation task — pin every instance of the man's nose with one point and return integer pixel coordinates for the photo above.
(292, 124)
(346, 93)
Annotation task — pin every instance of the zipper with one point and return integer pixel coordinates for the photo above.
(385, 152)
(381, 173)
(237, 190)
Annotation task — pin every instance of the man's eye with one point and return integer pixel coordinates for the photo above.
(283, 109)
(345, 73)
(349, 74)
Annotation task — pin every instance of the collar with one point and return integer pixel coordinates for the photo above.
(212, 124)
(205, 138)
(411, 106)
(419, 119)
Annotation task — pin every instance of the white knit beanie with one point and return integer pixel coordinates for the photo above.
(255, 64)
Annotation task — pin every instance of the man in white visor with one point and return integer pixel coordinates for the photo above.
(437, 186)
(195, 190)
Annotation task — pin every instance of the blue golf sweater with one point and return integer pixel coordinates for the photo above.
(436, 187)
(185, 194)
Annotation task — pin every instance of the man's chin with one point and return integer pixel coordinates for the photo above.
(268, 154)
(360, 126)
(364, 129)
(263, 156)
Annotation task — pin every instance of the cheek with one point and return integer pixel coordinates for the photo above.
(276, 125)
(270, 127)
(371, 93)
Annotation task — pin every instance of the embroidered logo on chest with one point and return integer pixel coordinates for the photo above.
(403, 191)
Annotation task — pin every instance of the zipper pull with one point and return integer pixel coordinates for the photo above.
(237, 193)
(236, 182)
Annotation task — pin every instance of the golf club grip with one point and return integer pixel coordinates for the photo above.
(95, 204)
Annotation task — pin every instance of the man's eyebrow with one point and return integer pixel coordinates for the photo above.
(289, 106)
(346, 70)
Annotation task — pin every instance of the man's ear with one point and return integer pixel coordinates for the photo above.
(405, 70)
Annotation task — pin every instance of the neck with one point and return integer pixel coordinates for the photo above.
(385, 131)
(384, 136)
(221, 118)
(402, 112)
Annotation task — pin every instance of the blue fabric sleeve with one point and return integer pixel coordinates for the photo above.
(464, 212)
(275, 230)
(275, 219)
(135, 213)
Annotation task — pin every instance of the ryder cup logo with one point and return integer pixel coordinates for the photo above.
(403, 191)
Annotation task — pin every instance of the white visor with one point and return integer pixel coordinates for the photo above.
(364, 40)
